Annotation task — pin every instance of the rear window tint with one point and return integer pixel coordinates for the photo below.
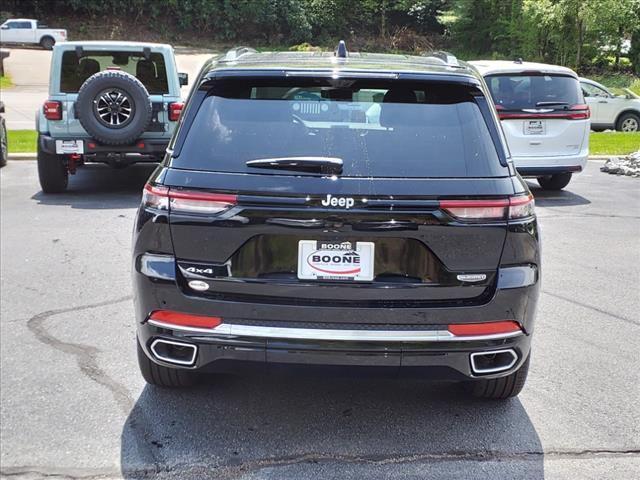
(378, 129)
(517, 92)
(151, 72)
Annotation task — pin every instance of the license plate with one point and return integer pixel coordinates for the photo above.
(319, 260)
(534, 127)
(69, 146)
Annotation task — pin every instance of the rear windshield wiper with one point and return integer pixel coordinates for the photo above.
(328, 165)
(544, 104)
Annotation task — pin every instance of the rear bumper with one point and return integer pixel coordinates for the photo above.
(435, 359)
(540, 166)
(143, 146)
(403, 341)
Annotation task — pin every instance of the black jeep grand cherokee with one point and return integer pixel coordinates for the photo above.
(337, 210)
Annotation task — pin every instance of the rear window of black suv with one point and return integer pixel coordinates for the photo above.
(377, 128)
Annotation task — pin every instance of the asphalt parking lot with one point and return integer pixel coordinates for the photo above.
(75, 406)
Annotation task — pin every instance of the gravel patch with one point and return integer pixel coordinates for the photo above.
(629, 165)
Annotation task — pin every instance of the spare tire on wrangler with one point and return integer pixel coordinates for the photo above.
(114, 107)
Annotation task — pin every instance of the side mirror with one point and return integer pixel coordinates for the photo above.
(1, 107)
(4, 27)
(183, 79)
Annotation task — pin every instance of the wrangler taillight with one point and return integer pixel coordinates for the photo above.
(174, 111)
(487, 210)
(52, 110)
(187, 201)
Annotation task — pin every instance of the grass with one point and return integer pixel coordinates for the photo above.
(5, 82)
(614, 143)
(22, 141)
(601, 143)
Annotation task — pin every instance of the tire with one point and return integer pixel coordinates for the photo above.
(47, 43)
(4, 148)
(126, 95)
(555, 182)
(52, 172)
(503, 387)
(628, 122)
(160, 376)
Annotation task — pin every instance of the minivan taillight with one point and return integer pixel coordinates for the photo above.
(500, 209)
(187, 201)
(579, 112)
(574, 112)
(174, 111)
(52, 110)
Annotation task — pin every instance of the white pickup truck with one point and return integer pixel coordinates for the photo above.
(29, 31)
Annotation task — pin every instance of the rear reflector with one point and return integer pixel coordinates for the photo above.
(489, 328)
(185, 319)
(174, 111)
(188, 201)
(52, 110)
(476, 210)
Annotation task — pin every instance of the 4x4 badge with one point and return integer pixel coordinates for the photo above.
(346, 202)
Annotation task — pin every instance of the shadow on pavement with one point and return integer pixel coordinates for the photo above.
(277, 426)
(557, 198)
(100, 186)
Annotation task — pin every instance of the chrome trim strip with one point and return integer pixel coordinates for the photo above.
(173, 360)
(231, 330)
(493, 370)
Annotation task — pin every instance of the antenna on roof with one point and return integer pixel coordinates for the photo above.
(341, 51)
(445, 58)
(518, 60)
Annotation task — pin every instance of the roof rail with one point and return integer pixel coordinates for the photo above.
(445, 57)
(237, 52)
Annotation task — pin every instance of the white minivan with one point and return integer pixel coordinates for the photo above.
(544, 117)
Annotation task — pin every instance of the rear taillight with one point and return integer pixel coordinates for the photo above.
(500, 209)
(476, 209)
(174, 111)
(574, 112)
(185, 319)
(579, 112)
(188, 201)
(52, 110)
(522, 207)
(488, 328)
(156, 197)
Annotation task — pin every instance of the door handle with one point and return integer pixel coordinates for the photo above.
(602, 101)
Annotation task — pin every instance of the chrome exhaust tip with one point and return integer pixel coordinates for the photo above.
(178, 353)
(495, 361)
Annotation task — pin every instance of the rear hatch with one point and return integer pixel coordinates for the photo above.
(324, 192)
(542, 114)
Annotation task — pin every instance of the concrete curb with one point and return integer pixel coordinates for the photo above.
(22, 156)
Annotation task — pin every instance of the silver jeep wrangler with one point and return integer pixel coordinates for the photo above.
(109, 102)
